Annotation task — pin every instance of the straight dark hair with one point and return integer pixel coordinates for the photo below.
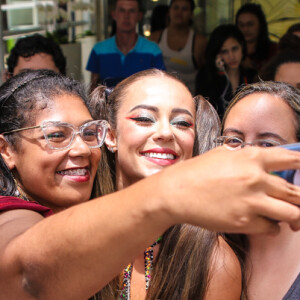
(263, 41)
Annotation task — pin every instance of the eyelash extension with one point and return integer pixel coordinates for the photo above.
(140, 119)
(181, 121)
(184, 123)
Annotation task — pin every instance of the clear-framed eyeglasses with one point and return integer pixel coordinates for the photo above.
(233, 142)
(60, 135)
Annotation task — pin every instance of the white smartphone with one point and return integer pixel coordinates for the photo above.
(220, 63)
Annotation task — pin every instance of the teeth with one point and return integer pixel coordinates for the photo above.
(159, 155)
(73, 172)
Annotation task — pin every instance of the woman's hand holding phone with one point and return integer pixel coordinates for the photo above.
(220, 63)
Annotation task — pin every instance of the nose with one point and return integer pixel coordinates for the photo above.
(164, 131)
(79, 147)
(231, 55)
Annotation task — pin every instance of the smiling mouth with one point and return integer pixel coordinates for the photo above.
(74, 172)
(160, 155)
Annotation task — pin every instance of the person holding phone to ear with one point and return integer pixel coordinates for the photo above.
(223, 74)
(220, 63)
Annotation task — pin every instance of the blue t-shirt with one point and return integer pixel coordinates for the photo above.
(113, 66)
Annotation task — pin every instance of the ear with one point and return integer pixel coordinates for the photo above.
(111, 140)
(7, 153)
(6, 75)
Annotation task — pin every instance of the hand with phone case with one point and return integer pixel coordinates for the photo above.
(292, 176)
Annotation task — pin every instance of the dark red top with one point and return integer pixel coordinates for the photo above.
(10, 203)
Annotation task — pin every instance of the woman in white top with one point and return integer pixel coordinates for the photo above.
(182, 48)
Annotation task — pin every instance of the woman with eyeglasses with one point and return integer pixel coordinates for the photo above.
(267, 114)
(55, 244)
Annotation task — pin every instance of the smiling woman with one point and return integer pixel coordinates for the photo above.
(60, 174)
(153, 130)
(155, 123)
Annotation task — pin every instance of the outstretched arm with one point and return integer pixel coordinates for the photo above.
(74, 253)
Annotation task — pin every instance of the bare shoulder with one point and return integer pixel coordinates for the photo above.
(225, 276)
(155, 36)
(13, 224)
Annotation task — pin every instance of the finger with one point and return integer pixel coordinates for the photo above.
(259, 225)
(281, 189)
(295, 225)
(278, 210)
(278, 159)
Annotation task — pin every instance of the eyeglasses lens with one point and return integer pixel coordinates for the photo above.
(61, 136)
(58, 136)
(93, 134)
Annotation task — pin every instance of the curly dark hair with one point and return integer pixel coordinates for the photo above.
(34, 44)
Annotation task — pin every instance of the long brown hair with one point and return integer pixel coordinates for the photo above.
(291, 96)
(181, 268)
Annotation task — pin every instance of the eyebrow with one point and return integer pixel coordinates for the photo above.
(233, 130)
(260, 135)
(142, 106)
(272, 134)
(64, 123)
(24, 70)
(155, 109)
(181, 111)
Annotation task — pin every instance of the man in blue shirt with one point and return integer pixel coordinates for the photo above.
(125, 53)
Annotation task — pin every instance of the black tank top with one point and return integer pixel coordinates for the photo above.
(294, 291)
